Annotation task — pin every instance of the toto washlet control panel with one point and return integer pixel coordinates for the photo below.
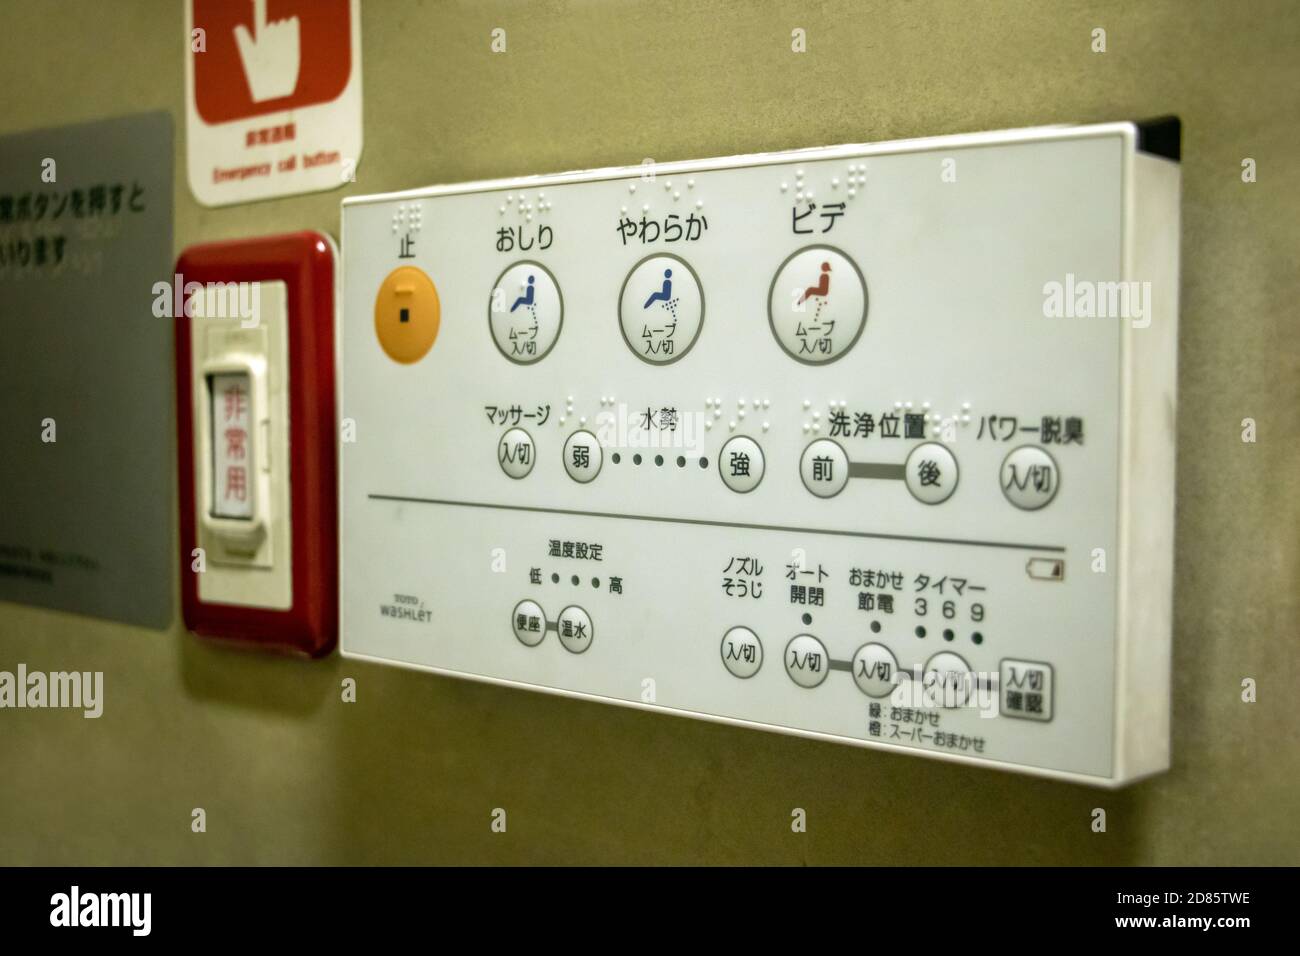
(872, 444)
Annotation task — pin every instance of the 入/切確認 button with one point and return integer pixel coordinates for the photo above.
(407, 314)
(575, 630)
(1029, 477)
(525, 312)
(516, 453)
(1025, 689)
(824, 468)
(528, 621)
(817, 305)
(742, 652)
(661, 309)
(741, 464)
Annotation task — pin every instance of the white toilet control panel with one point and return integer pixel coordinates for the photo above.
(871, 444)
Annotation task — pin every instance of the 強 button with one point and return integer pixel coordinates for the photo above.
(525, 312)
(515, 453)
(407, 314)
(824, 468)
(875, 670)
(528, 621)
(1029, 477)
(661, 309)
(931, 473)
(742, 652)
(817, 305)
(806, 660)
(582, 456)
(741, 464)
(574, 628)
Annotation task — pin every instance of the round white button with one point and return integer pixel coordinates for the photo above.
(661, 309)
(741, 464)
(742, 652)
(525, 312)
(824, 468)
(529, 623)
(931, 473)
(1029, 477)
(582, 456)
(817, 305)
(806, 661)
(875, 670)
(515, 453)
(574, 627)
(947, 680)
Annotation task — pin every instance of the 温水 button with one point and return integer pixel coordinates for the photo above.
(824, 468)
(525, 312)
(407, 314)
(742, 652)
(741, 464)
(817, 305)
(574, 628)
(661, 309)
(931, 473)
(528, 621)
(806, 660)
(582, 456)
(1029, 477)
(515, 453)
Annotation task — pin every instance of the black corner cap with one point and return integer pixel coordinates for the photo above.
(1162, 136)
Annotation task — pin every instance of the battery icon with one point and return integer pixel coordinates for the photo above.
(1046, 569)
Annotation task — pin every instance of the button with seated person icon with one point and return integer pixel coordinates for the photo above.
(817, 305)
(661, 309)
(525, 312)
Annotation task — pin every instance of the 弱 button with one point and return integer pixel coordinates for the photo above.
(575, 630)
(661, 309)
(741, 464)
(1029, 477)
(817, 305)
(742, 652)
(582, 456)
(528, 621)
(516, 453)
(824, 468)
(806, 661)
(525, 312)
(931, 473)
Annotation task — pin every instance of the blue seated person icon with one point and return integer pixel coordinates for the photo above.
(663, 295)
(527, 297)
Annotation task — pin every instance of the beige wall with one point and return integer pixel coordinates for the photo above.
(410, 773)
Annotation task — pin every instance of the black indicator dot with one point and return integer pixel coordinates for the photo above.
(636, 459)
(574, 579)
(659, 459)
(947, 634)
(977, 637)
(704, 463)
(807, 618)
(595, 582)
(920, 631)
(616, 458)
(875, 627)
(681, 461)
(555, 579)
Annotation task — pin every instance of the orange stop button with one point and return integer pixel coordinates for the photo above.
(407, 313)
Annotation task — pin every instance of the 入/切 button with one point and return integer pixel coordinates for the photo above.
(947, 680)
(407, 314)
(661, 309)
(582, 456)
(528, 621)
(742, 652)
(574, 627)
(516, 453)
(525, 312)
(824, 468)
(875, 670)
(806, 661)
(817, 305)
(1029, 477)
(741, 464)
(931, 473)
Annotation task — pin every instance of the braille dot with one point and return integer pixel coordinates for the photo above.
(947, 634)
(659, 459)
(681, 461)
(807, 618)
(574, 579)
(875, 627)
(636, 459)
(616, 458)
(977, 637)
(555, 579)
(704, 463)
(920, 631)
(595, 582)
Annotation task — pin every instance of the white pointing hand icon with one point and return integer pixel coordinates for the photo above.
(270, 54)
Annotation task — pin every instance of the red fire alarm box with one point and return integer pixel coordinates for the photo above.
(256, 424)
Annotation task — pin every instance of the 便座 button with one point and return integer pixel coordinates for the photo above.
(1029, 477)
(1025, 689)
(947, 680)
(407, 314)
(806, 660)
(875, 670)
(824, 468)
(661, 309)
(582, 456)
(574, 628)
(931, 473)
(742, 652)
(817, 305)
(516, 453)
(525, 312)
(528, 621)
(741, 464)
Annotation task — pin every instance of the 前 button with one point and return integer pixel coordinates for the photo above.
(525, 312)
(817, 305)
(1029, 478)
(516, 453)
(582, 456)
(741, 464)
(661, 309)
(824, 468)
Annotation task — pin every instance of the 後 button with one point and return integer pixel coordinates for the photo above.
(582, 456)
(1025, 689)
(529, 623)
(741, 464)
(931, 473)
(661, 309)
(806, 661)
(516, 453)
(947, 680)
(817, 305)
(742, 652)
(575, 630)
(875, 670)
(1029, 477)
(407, 313)
(824, 468)
(525, 312)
